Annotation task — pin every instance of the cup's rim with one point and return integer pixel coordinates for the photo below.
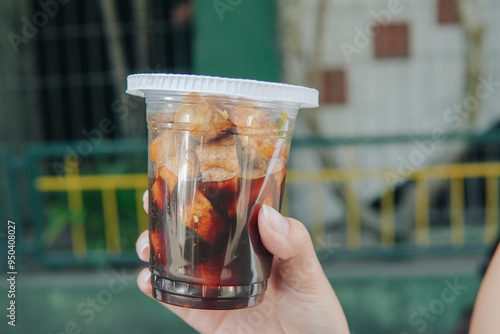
(145, 84)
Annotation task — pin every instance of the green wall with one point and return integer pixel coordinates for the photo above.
(46, 303)
(237, 39)
(406, 305)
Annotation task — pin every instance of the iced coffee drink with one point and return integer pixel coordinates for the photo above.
(215, 158)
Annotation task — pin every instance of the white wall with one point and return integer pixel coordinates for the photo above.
(397, 96)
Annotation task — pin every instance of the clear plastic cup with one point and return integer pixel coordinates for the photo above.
(218, 151)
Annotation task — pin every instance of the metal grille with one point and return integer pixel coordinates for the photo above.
(87, 48)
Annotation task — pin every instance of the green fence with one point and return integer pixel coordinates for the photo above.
(80, 204)
(63, 220)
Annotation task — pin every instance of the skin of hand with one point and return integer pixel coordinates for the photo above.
(299, 297)
(485, 316)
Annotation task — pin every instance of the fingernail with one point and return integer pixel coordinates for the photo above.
(143, 247)
(144, 202)
(147, 277)
(275, 220)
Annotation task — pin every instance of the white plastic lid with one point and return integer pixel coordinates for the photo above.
(144, 84)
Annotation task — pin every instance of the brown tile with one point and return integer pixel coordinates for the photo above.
(392, 41)
(333, 86)
(448, 11)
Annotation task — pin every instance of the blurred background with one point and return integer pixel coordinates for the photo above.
(396, 174)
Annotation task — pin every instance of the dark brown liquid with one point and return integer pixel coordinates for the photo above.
(214, 161)
(220, 247)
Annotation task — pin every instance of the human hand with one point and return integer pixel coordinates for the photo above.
(299, 297)
(485, 318)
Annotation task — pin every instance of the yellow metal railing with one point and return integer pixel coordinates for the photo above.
(74, 184)
(455, 174)
(75, 205)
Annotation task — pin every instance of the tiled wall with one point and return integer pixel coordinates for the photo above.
(403, 80)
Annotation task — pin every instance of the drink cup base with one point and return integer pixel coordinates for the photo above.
(207, 297)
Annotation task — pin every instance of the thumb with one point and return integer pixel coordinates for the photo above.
(289, 241)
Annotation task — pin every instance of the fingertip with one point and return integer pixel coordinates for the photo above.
(283, 236)
(272, 218)
(142, 246)
(145, 200)
(274, 239)
(144, 282)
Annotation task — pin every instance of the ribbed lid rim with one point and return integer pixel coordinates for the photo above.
(151, 83)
